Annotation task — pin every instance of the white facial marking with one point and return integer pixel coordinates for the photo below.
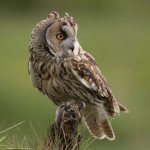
(76, 47)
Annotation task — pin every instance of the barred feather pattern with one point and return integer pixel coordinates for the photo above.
(72, 77)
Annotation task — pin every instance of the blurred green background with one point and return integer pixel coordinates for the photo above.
(116, 33)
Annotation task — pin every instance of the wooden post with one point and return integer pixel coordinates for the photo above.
(64, 132)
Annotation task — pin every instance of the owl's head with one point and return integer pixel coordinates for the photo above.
(55, 35)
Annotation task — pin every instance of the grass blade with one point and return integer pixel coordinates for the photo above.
(12, 127)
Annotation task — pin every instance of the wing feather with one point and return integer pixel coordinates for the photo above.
(88, 73)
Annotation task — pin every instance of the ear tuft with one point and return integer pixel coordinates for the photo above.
(53, 15)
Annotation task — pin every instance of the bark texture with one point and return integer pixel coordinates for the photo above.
(63, 134)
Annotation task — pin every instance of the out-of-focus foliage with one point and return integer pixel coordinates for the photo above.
(116, 33)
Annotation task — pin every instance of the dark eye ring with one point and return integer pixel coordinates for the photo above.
(60, 36)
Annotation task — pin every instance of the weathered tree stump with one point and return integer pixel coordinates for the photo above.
(63, 134)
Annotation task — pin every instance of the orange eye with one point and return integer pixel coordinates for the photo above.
(60, 36)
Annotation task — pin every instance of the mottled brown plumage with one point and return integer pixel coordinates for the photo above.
(63, 71)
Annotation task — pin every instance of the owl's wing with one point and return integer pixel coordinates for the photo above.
(88, 73)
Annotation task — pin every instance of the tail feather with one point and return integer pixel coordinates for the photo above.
(122, 108)
(108, 130)
(97, 123)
